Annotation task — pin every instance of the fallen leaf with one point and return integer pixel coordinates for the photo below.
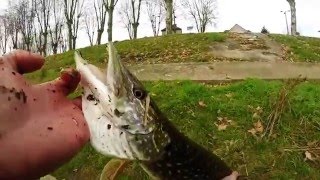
(250, 107)
(252, 131)
(256, 116)
(202, 104)
(312, 143)
(308, 156)
(229, 95)
(229, 121)
(192, 113)
(258, 126)
(113, 168)
(221, 127)
(223, 123)
(259, 110)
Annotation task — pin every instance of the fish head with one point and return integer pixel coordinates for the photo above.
(130, 100)
(123, 120)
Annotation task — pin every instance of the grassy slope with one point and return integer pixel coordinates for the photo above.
(305, 49)
(173, 48)
(179, 100)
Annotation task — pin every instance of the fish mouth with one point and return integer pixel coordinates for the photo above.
(121, 85)
(115, 75)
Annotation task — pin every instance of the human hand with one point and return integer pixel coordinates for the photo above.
(233, 176)
(40, 129)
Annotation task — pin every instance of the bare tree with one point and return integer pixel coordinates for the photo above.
(13, 24)
(202, 12)
(293, 11)
(73, 12)
(109, 5)
(63, 44)
(130, 13)
(56, 25)
(155, 11)
(2, 49)
(43, 13)
(76, 23)
(4, 34)
(101, 14)
(38, 38)
(26, 16)
(169, 15)
(90, 26)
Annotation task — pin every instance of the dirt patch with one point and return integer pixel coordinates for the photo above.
(247, 42)
(248, 47)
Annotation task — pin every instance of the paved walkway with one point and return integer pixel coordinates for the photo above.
(222, 71)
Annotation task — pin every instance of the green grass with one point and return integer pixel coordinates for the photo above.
(262, 159)
(304, 49)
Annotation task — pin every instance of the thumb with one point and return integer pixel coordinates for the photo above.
(66, 83)
(23, 61)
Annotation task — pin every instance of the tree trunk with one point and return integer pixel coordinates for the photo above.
(70, 35)
(292, 4)
(135, 30)
(110, 23)
(99, 37)
(15, 40)
(203, 28)
(74, 40)
(45, 41)
(169, 8)
(55, 48)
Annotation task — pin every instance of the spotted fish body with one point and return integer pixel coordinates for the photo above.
(124, 122)
(109, 134)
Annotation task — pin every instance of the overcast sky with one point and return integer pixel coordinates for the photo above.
(250, 14)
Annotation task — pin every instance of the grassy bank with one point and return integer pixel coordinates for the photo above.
(304, 49)
(166, 49)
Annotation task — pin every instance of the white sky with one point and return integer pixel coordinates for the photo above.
(250, 14)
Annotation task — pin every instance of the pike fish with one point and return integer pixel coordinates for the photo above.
(125, 123)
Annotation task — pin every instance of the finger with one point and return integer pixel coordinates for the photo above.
(78, 102)
(67, 82)
(23, 61)
(233, 176)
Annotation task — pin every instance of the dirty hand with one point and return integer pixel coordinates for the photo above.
(233, 176)
(40, 129)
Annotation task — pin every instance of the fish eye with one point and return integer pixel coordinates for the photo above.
(139, 93)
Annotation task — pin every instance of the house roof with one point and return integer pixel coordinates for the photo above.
(174, 28)
(238, 29)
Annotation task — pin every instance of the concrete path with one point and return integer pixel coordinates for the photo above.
(250, 47)
(222, 71)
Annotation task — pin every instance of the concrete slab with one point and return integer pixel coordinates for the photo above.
(221, 71)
